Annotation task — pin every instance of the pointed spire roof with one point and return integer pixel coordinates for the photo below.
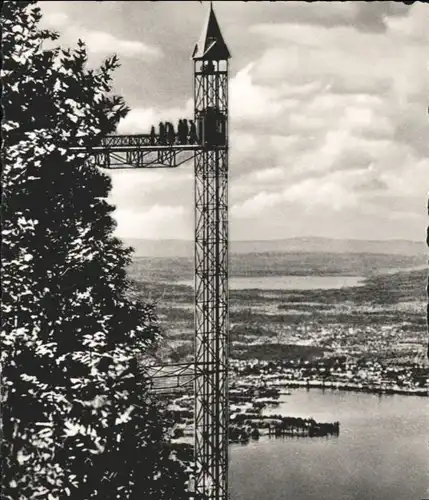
(211, 45)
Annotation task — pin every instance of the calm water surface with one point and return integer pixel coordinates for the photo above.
(381, 454)
(289, 282)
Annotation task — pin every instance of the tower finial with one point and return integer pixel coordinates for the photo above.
(211, 44)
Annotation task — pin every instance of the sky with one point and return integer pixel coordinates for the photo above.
(328, 112)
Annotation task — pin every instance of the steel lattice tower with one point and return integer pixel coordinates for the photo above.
(211, 263)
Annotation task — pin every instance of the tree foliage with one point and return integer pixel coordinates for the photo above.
(77, 422)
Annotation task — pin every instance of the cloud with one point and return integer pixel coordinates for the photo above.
(55, 19)
(311, 194)
(97, 41)
(131, 187)
(140, 120)
(137, 189)
(157, 222)
(412, 27)
(328, 115)
(364, 17)
(342, 58)
(374, 16)
(340, 124)
(249, 100)
(269, 174)
(100, 42)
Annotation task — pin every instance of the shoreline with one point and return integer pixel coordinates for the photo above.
(339, 386)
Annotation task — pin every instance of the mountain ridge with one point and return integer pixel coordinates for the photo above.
(314, 244)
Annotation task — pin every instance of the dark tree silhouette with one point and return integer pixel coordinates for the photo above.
(77, 422)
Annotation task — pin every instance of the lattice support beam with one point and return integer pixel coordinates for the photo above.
(137, 151)
(171, 378)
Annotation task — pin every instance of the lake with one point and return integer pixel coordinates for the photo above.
(380, 454)
(289, 282)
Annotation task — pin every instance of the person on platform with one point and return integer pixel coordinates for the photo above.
(193, 138)
(171, 135)
(185, 130)
(180, 132)
(208, 67)
(152, 136)
(162, 134)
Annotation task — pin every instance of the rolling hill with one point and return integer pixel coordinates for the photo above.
(183, 248)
